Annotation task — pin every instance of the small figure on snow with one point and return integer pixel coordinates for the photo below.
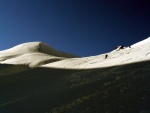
(106, 56)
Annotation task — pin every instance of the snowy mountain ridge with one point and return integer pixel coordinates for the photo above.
(142, 43)
(32, 54)
(34, 78)
(36, 54)
(137, 52)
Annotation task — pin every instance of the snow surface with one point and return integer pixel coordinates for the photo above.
(142, 43)
(136, 53)
(34, 54)
(112, 85)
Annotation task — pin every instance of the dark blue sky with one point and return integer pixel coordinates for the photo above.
(81, 27)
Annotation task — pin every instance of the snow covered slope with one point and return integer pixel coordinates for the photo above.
(115, 89)
(142, 43)
(136, 53)
(32, 54)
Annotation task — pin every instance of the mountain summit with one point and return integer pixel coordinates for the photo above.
(32, 54)
(34, 47)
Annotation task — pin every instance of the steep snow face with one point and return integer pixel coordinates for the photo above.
(136, 53)
(32, 54)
